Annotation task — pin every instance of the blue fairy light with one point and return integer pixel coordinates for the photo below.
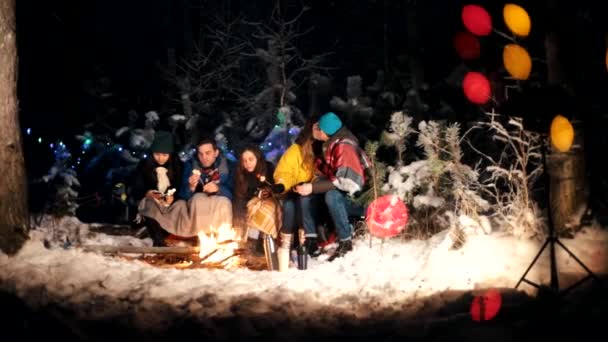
(51, 145)
(120, 149)
(28, 131)
(87, 143)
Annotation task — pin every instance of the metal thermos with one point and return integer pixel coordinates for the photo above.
(270, 251)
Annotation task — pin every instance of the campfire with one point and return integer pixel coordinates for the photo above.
(220, 247)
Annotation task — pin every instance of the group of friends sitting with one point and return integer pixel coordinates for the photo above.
(324, 166)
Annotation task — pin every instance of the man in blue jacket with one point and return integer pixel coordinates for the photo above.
(208, 172)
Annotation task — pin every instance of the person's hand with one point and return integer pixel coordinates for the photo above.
(193, 180)
(154, 194)
(278, 188)
(211, 188)
(264, 193)
(304, 189)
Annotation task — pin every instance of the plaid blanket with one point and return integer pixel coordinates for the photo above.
(264, 215)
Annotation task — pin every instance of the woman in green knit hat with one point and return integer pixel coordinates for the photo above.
(156, 180)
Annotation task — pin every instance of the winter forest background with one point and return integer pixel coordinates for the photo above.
(96, 80)
(102, 77)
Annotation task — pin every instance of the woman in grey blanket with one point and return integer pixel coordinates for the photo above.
(204, 199)
(155, 181)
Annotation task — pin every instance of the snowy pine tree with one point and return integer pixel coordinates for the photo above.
(440, 190)
(356, 108)
(376, 176)
(397, 134)
(62, 184)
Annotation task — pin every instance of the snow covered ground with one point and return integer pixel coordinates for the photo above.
(395, 289)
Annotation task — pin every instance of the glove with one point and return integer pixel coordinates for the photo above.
(264, 193)
(277, 188)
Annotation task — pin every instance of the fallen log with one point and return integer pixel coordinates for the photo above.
(146, 249)
(141, 250)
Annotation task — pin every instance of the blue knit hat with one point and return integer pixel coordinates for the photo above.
(330, 123)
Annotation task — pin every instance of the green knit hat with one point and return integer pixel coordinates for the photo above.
(163, 142)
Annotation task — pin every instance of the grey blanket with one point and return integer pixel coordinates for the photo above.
(202, 213)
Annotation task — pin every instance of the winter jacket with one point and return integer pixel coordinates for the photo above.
(343, 164)
(290, 169)
(220, 172)
(239, 207)
(145, 177)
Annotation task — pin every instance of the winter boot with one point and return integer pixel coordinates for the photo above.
(343, 248)
(156, 232)
(258, 246)
(312, 247)
(283, 251)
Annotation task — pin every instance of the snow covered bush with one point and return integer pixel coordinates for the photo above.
(440, 191)
(512, 174)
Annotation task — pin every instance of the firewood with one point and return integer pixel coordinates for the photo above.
(147, 250)
(141, 250)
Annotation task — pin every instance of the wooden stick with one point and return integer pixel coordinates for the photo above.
(208, 255)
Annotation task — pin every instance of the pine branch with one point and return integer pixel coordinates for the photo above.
(376, 178)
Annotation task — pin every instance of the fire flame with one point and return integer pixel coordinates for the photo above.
(219, 246)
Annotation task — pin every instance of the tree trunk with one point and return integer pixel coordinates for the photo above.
(567, 192)
(386, 16)
(14, 223)
(416, 66)
(187, 29)
(554, 68)
(567, 189)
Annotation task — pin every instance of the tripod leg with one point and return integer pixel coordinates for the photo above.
(575, 258)
(532, 264)
(554, 277)
(591, 274)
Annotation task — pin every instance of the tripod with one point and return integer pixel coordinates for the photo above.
(551, 241)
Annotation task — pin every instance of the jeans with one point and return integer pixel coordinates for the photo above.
(340, 208)
(293, 206)
(289, 224)
(307, 210)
